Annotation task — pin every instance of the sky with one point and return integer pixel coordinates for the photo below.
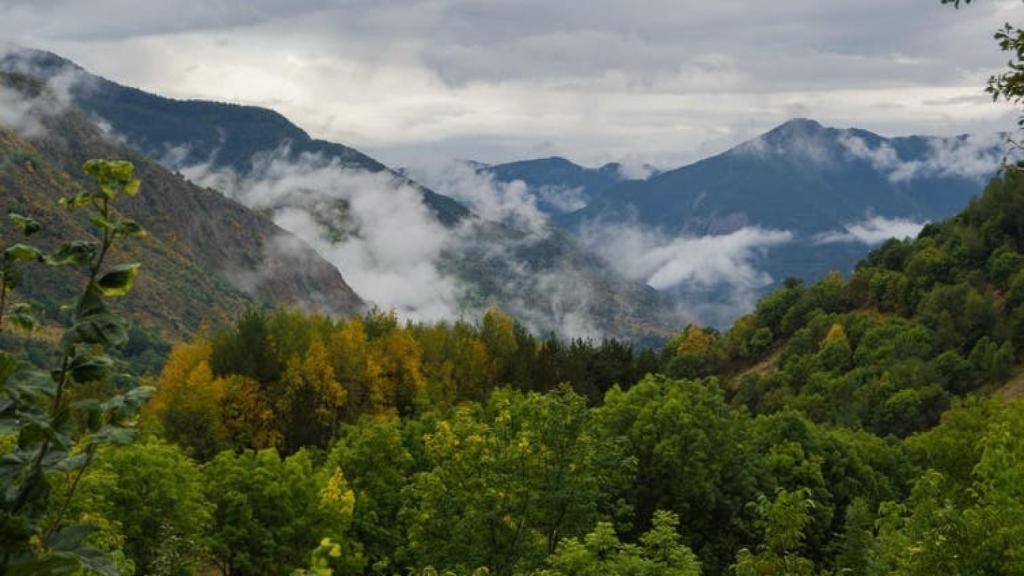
(665, 82)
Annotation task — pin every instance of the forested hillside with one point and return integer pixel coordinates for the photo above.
(844, 427)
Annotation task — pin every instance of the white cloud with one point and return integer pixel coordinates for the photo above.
(563, 199)
(371, 226)
(506, 202)
(872, 231)
(967, 156)
(633, 170)
(26, 112)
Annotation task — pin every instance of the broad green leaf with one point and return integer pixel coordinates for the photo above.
(115, 435)
(129, 228)
(20, 252)
(90, 303)
(90, 368)
(104, 328)
(71, 542)
(132, 188)
(80, 199)
(28, 226)
(100, 222)
(77, 252)
(119, 280)
(54, 565)
(128, 404)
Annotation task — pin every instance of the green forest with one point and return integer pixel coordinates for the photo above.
(862, 425)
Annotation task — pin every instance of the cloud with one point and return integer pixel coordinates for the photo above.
(665, 262)
(26, 110)
(872, 231)
(390, 248)
(562, 198)
(969, 156)
(715, 277)
(372, 226)
(510, 203)
(499, 81)
(633, 170)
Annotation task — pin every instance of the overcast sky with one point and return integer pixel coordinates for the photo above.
(660, 81)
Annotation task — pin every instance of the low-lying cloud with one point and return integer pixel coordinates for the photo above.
(26, 109)
(872, 231)
(691, 266)
(963, 156)
(389, 246)
(665, 262)
(507, 202)
(372, 226)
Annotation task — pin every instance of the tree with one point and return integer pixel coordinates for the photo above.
(659, 553)
(377, 464)
(311, 401)
(782, 522)
(270, 512)
(693, 458)
(188, 401)
(506, 481)
(154, 493)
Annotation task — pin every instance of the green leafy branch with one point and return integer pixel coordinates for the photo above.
(37, 407)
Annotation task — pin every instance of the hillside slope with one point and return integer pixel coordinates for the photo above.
(181, 133)
(919, 323)
(258, 157)
(207, 257)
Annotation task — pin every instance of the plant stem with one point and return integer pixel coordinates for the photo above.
(62, 376)
(70, 492)
(3, 299)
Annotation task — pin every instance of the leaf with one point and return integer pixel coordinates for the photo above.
(90, 303)
(100, 222)
(27, 386)
(70, 542)
(77, 252)
(132, 188)
(90, 368)
(128, 404)
(25, 252)
(104, 328)
(115, 435)
(55, 565)
(130, 228)
(119, 280)
(113, 176)
(28, 226)
(72, 202)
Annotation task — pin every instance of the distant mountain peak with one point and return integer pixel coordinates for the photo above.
(799, 129)
(795, 124)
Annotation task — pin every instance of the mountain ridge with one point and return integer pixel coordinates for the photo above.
(192, 232)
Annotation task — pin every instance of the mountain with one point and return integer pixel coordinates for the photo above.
(558, 186)
(190, 132)
(806, 178)
(351, 208)
(799, 201)
(207, 257)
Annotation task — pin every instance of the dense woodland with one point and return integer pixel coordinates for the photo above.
(866, 425)
(856, 426)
